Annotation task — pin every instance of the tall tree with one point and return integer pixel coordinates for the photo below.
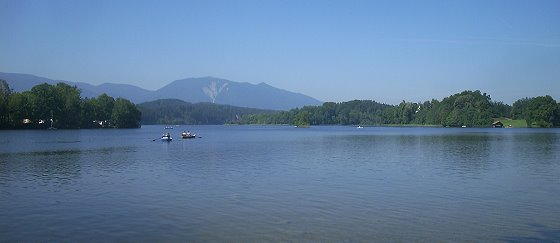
(541, 111)
(69, 116)
(5, 93)
(125, 114)
(302, 118)
(45, 103)
(87, 114)
(103, 105)
(20, 108)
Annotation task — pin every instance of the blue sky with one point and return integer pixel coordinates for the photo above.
(331, 50)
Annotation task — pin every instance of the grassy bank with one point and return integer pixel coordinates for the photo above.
(407, 125)
(514, 123)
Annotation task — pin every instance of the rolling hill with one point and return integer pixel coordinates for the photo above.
(174, 111)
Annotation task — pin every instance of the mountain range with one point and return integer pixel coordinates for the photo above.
(193, 90)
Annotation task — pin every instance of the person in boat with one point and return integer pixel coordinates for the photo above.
(188, 134)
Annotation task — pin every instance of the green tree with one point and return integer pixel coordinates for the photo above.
(87, 114)
(45, 103)
(468, 108)
(520, 108)
(542, 111)
(301, 119)
(70, 109)
(5, 93)
(499, 109)
(103, 106)
(125, 114)
(20, 108)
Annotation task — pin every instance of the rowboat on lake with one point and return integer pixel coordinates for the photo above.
(166, 137)
(186, 135)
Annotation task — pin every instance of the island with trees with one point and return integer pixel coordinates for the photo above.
(468, 108)
(60, 106)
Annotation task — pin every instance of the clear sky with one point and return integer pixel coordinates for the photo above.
(331, 50)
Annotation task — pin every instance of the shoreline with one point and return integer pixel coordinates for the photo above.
(279, 125)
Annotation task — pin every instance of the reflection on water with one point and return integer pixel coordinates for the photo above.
(60, 166)
(543, 234)
(246, 183)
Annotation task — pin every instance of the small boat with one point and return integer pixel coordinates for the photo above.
(463, 126)
(360, 127)
(168, 127)
(186, 135)
(166, 137)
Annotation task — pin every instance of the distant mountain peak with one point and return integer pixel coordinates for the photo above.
(212, 77)
(194, 90)
(213, 90)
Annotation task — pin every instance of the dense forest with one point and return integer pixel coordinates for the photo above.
(468, 108)
(173, 111)
(60, 106)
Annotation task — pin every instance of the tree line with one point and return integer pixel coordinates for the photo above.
(468, 108)
(60, 106)
(173, 111)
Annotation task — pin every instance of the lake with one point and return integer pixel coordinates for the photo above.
(279, 183)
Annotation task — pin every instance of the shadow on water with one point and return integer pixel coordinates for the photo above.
(467, 153)
(60, 141)
(60, 165)
(544, 234)
(546, 145)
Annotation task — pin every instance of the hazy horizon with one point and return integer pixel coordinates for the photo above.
(333, 51)
(377, 100)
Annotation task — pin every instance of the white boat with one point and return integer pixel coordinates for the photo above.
(166, 137)
(360, 127)
(168, 127)
(186, 135)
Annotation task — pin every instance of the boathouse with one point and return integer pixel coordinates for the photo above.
(497, 124)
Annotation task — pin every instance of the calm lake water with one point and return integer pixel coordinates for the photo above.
(270, 183)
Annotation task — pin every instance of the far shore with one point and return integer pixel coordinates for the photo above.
(376, 125)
